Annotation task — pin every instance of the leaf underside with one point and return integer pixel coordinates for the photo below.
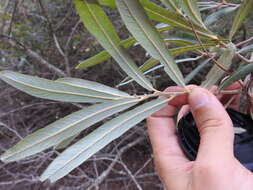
(64, 128)
(99, 25)
(89, 91)
(141, 28)
(99, 138)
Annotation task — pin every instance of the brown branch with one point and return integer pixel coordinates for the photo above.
(204, 49)
(244, 42)
(245, 59)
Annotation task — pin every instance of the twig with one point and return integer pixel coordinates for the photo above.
(103, 176)
(144, 165)
(18, 181)
(206, 52)
(245, 59)
(12, 130)
(33, 55)
(56, 41)
(71, 35)
(12, 17)
(229, 92)
(230, 101)
(156, 94)
(131, 176)
(244, 42)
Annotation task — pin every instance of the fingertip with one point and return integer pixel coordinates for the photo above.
(198, 98)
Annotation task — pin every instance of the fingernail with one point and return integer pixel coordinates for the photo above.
(198, 98)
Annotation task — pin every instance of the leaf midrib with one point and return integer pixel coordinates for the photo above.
(94, 89)
(109, 131)
(192, 11)
(114, 46)
(152, 42)
(61, 92)
(73, 124)
(170, 20)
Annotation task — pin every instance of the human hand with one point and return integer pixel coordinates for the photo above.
(215, 167)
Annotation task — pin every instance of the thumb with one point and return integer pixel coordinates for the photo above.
(214, 125)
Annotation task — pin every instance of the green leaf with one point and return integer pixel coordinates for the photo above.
(159, 14)
(191, 9)
(90, 85)
(64, 128)
(203, 6)
(56, 90)
(141, 28)
(151, 67)
(246, 49)
(65, 143)
(215, 74)
(108, 3)
(237, 75)
(216, 16)
(99, 138)
(104, 55)
(245, 9)
(195, 71)
(177, 61)
(183, 49)
(97, 22)
(180, 41)
(172, 5)
(174, 51)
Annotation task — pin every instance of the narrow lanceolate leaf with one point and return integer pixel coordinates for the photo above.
(90, 85)
(97, 22)
(183, 49)
(89, 145)
(195, 71)
(64, 128)
(53, 90)
(108, 3)
(246, 49)
(65, 143)
(150, 68)
(237, 75)
(245, 9)
(216, 16)
(171, 4)
(104, 55)
(190, 8)
(174, 51)
(141, 28)
(159, 14)
(225, 60)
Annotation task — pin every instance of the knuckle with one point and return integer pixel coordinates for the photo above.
(211, 123)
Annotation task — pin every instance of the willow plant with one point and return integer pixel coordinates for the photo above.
(145, 21)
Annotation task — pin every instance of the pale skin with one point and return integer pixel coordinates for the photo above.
(215, 167)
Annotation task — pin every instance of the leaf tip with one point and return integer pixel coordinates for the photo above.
(77, 67)
(4, 158)
(44, 177)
